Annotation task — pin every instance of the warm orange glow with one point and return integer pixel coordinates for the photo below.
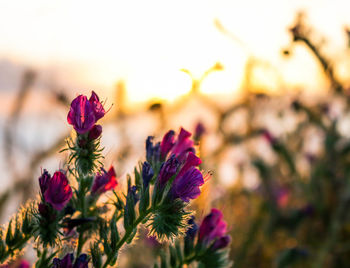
(146, 43)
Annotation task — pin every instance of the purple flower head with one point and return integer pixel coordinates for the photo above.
(132, 191)
(192, 231)
(187, 186)
(58, 192)
(147, 174)
(168, 169)
(199, 131)
(81, 115)
(183, 144)
(191, 161)
(66, 262)
(44, 181)
(81, 262)
(212, 227)
(95, 132)
(152, 151)
(97, 107)
(221, 242)
(167, 143)
(104, 181)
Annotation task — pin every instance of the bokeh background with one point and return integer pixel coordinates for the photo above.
(264, 84)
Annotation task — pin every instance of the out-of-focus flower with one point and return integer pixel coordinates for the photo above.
(58, 192)
(187, 186)
(97, 107)
(104, 181)
(212, 227)
(152, 150)
(167, 143)
(269, 137)
(81, 262)
(24, 264)
(95, 132)
(221, 242)
(66, 262)
(199, 131)
(81, 115)
(147, 174)
(133, 191)
(192, 231)
(168, 170)
(44, 181)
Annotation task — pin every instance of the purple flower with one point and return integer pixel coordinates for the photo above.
(44, 181)
(97, 107)
(66, 262)
(104, 181)
(81, 262)
(95, 132)
(167, 143)
(221, 242)
(58, 192)
(183, 144)
(147, 174)
(212, 227)
(192, 231)
(199, 131)
(81, 115)
(191, 161)
(187, 186)
(168, 169)
(152, 151)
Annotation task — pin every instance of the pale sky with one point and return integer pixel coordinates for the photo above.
(148, 42)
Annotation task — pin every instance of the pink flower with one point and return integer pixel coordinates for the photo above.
(84, 113)
(212, 227)
(58, 192)
(167, 143)
(81, 115)
(183, 144)
(97, 107)
(104, 181)
(95, 132)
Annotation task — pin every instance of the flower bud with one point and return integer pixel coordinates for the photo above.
(95, 132)
(58, 192)
(221, 242)
(104, 182)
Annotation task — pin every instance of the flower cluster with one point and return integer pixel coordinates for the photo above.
(71, 212)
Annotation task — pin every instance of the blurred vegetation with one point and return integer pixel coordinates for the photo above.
(287, 157)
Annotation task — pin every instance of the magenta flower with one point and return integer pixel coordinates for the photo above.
(187, 186)
(81, 115)
(168, 169)
(58, 192)
(44, 181)
(66, 262)
(95, 132)
(24, 264)
(97, 107)
(183, 144)
(191, 161)
(167, 143)
(222, 242)
(104, 181)
(212, 227)
(199, 131)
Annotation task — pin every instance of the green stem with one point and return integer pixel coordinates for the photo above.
(128, 232)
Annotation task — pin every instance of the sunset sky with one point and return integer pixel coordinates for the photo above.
(146, 43)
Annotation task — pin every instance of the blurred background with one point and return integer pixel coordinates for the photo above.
(262, 85)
